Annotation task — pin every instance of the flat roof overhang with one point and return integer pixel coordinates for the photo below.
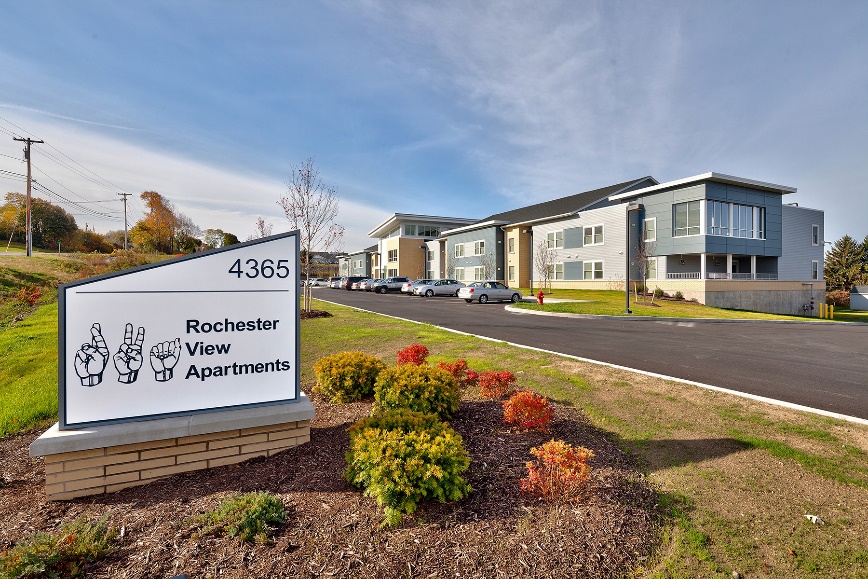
(716, 177)
(398, 218)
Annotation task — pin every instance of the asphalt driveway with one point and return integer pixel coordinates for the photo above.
(823, 366)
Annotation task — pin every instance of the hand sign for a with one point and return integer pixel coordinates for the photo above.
(128, 360)
(90, 360)
(164, 356)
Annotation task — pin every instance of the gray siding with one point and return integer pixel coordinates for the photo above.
(799, 251)
(493, 238)
(573, 237)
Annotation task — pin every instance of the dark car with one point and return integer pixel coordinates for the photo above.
(390, 284)
(347, 282)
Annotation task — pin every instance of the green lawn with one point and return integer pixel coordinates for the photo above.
(845, 315)
(611, 303)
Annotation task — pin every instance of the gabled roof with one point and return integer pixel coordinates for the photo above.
(554, 208)
(718, 177)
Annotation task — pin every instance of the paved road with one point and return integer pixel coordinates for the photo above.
(822, 366)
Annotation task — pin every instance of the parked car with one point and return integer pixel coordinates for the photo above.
(335, 282)
(390, 284)
(440, 287)
(347, 282)
(368, 284)
(357, 285)
(317, 282)
(407, 287)
(485, 291)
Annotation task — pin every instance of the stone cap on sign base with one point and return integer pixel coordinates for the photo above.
(55, 441)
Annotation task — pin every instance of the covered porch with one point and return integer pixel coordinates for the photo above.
(721, 266)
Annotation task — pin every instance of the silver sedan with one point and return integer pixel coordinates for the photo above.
(489, 290)
(440, 287)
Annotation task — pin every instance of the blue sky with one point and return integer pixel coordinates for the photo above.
(443, 108)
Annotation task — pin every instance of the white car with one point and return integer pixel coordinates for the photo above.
(407, 287)
(485, 291)
(440, 287)
(317, 282)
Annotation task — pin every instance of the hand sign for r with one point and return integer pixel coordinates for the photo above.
(90, 360)
(128, 360)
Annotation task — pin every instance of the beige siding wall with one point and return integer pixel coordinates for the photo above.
(520, 259)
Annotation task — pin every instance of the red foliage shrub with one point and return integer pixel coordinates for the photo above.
(414, 354)
(496, 384)
(471, 377)
(29, 295)
(559, 471)
(460, 372)
(528, 410)
(838, 298)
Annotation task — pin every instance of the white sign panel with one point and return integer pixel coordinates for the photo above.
(210, 331)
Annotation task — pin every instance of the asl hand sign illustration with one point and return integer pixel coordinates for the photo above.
(91, 359)
(164, 357)
(128, 360)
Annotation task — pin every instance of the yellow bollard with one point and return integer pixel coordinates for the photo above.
(832, 311)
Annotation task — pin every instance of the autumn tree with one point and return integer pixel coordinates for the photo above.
(157, 230)
(311, 207)
(49, 223)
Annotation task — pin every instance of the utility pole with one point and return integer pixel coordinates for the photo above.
(28, 141)
(125, 195)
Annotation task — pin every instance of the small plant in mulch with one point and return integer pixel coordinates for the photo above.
(63, 554)
(459, 370)
(496, 384)
(678, 295)
(347, 376)
(250, 517)
(415, 354)
(418, 388)
(314, 314)
(401, 457)
(528, 410)
(560, 470)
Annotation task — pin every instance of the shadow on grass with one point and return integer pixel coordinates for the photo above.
(659, 454)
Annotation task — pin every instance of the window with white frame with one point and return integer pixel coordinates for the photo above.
(427, 231)
(717, 217)
(593, 270)
(429, 273)
(392, 273)
(512, 273)
(393, 255)
(511, 243)
(478, 273)
(479, 248)
(409, 229)
(559, 271)
(429, 255)
(815, 235)
(651, 268)
(593, 235)
(459, 250)
(395, 232)
(686, 219)
(649, 230)
(459, 273)
(815, 270)
(555, 239)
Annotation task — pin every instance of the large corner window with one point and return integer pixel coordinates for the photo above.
(593, 270)
(555, 239)
(748, 221)
(717, 217)
(593, 235)
(686, 218)
(479, 248)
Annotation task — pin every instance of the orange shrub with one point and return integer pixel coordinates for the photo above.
(496, 384)
(460, 371)
(528, 410)
(414, 354)
(559, 471)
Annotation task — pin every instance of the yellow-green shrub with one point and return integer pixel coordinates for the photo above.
(347, 376)
(400, 457)
(418, 388)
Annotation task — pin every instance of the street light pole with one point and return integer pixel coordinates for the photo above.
(630, 207)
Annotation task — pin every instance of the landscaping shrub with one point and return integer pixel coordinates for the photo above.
(459, 370)
(679, 295)
(400, 457)
(658, 293)
(250, 517)
(58, 555)
(494, 384)
(418, 388)
(471, 378)
(559, 471)
(414, 354)
(347, 376)
(29, 295)
(838, 298)
(528, 410)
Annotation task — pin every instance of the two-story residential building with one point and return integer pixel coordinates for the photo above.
(718, 239)
(358, 263)
(407, 246)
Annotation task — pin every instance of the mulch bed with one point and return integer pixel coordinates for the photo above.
(314, 314)
(332, 530)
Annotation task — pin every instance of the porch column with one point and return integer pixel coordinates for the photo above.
(702, 269)
(753, 267)
(728, 266)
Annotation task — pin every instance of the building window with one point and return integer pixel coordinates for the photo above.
(395, 232)
(686, 218)
(429, 255)
(651, 268)
(815, 235)
(409, 230)
(815, 270)
(559, 271)
(555, 239)
(393, 255)
(478, 273)
(650, 229)
(593, 270)
(717, 217)
(511, 243)
(593, 235)
(459, 250)
(459, 273)
(392, 273)
(512, 273)
(429, 274)
(427, 231)
(479, 248)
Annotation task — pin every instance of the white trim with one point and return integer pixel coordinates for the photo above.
(718, 177)
(399, 218)
(592, 227)
(554, 235)
(644, 229)
(594, 269)
(482, 241)
(471, 227)
(455, 250)
(555, 271)
(813, 277)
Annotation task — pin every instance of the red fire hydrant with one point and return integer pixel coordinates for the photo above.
(539, 297)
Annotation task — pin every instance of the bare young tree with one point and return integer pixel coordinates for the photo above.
(311, 207)
(645, 250)
(544, 261)
(263, 229)
(489, 265)
(450, 264)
